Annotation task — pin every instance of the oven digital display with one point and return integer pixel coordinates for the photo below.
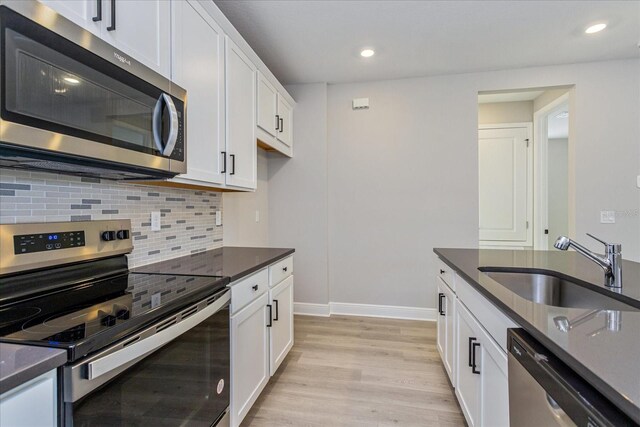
(42, 242)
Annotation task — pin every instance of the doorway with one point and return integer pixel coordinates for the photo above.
(524, 156)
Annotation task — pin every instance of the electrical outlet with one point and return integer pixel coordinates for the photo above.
(155, 221)
(218, 218)
(607, 217)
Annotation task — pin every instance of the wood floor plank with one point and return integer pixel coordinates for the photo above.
(359, 371)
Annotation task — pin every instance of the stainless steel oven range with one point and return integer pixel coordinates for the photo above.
(72, 103)
(143, 349)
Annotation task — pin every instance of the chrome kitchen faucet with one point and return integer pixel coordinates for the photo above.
(611, 263)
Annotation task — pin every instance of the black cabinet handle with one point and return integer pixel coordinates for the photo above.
(275, 301)
(441, 271)
(277, 122)
(255, 287)
(284, 269)
(270, 316)
(473, 361)
(233, 164)
(281, 125)
(98, 16)
(471, 340)
(440, 310)
(112, 27)
(224, 162)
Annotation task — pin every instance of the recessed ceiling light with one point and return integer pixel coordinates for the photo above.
(71, 80)
(596, 28)
(367, 53)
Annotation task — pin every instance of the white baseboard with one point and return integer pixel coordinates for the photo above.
(366, 310)
(308, 309)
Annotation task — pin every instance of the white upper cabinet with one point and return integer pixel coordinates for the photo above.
(139, 28)
(198, 66)
(285, 127)
(142, 29)
(85, 13)
(241, 163)
(267, 106)
(274, 118)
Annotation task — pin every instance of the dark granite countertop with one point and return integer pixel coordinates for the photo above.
(228, 261)
(605, 358)
(20, 363)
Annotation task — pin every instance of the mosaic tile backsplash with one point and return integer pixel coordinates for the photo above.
(188, 216)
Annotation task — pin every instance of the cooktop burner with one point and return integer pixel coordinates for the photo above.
(88, 316)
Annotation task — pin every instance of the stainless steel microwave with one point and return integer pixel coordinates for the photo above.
(72, 103)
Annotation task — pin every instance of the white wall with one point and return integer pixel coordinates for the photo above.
(403, 175)
(298, 195)
(505, 112)
(239, 220)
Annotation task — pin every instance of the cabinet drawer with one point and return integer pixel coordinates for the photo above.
(488, 315)
(248, 289)
(280, 270)
(446, 273)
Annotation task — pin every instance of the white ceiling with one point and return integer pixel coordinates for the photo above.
(320, 41)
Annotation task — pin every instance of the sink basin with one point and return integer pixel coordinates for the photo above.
(552, 290)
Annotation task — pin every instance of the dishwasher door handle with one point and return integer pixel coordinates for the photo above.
(139, 348)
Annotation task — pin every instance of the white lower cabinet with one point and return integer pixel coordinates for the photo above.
(482, 385)
(471, 331)
(446, 328)
(249, 356)
(281, 331)
(261, 332)
(32, 404)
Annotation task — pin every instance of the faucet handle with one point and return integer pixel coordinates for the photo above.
(611, 247)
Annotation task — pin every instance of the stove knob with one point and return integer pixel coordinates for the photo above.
(108, 236)
(123, 234)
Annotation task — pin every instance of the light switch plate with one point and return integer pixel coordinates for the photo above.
(155, 221)
(607, 217)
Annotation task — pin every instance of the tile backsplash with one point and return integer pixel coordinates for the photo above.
(188, 216)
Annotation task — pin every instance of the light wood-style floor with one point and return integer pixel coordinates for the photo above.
(359, 371)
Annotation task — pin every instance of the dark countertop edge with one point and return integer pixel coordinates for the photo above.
(53, 360)
(245, 273)
(609, 392)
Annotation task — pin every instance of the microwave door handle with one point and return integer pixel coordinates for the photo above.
(157, 124)
(173, 125)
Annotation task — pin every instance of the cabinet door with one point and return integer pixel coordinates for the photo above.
(441, 341)
(449, 308)
(494, 383)
(468, 382)
(198, 66)
(240, 118)
(285, 113)
(142, 30)
(281, 333)
(249, 357)
(267, 101)
(80, 12)
(33, 403)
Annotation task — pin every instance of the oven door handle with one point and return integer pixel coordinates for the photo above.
(166, 150)
(139, 348)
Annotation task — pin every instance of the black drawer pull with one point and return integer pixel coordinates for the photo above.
(473, 351)
(270, 316)
(254, 287)
(441, 271)
(98, 16)
(284, 269)
(275, 301)
(471, 340)
(440, 308)
(112, 27)
(224, 162)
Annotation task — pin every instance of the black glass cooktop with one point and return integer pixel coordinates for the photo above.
(86, 317)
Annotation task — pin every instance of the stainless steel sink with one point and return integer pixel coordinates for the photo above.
(551, 290)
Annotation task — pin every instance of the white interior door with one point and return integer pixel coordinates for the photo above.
(504, 184)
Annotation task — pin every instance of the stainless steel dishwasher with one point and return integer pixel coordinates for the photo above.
(543, 391)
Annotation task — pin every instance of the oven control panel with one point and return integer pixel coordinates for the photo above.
(29, 243)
